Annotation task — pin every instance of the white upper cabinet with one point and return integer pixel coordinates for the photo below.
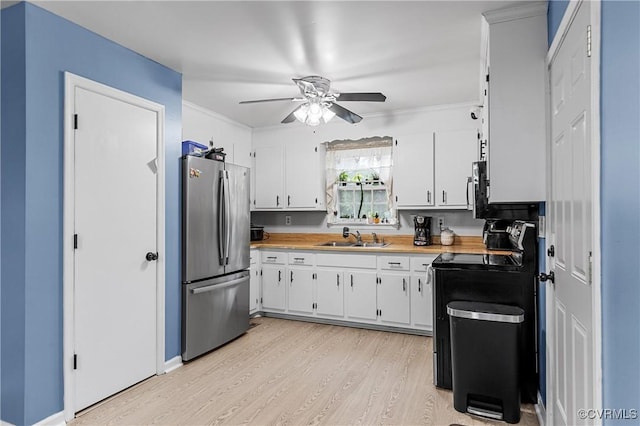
(517, 46)
(204, 126)
(413, 172)
(288, 176)
(268, 176)
(303, 177)
(455, 151)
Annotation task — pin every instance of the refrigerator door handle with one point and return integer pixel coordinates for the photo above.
(221, 218)
(227, 216)
(217, 286)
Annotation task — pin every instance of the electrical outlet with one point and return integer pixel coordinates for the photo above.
(441, 222)
(287, 220)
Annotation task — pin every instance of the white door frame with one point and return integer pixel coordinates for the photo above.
(565, 24)
(72, 82)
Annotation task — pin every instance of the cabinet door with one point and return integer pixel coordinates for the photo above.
(454, 152)
(330, 293)
(254, 289)
(421, 301)
(361, 295)
(300, 282)
(413, 171)
(273, 288)
(393, 300)
(268, 177)
(303, 179)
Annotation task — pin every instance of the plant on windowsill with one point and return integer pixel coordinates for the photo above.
(343, 177)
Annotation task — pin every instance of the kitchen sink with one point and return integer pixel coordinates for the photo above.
(337, 244)
(372, 245)
(350, 244)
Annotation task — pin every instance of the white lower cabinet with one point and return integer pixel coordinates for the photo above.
(389, 290)
(273, 288)
(300, 280)
(361, 295)
(422, 293)
(393, 298)
(330, 293)
(254, 282)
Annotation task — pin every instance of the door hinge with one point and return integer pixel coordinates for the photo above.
(75, 241)
(75, 361)
(588, 41)
(75, 121)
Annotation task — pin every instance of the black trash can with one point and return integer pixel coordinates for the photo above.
(485, 359)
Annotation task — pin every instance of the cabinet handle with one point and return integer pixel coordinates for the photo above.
(271, 257)
(277, 200)
(419, 285)
(404, 284)
(338, 279)
(288, 200)
(351, 276)
(291, 280)
(428, 197)
(444, 197)
(298, 259)
(279, 276)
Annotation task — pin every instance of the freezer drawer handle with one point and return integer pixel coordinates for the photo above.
(151, 256)
(217, 286)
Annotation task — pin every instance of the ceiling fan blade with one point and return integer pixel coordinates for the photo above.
(273, 100)
(345, 114)
(367, 97)
(291, 117)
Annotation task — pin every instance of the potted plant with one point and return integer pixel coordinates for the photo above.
(343, 177)
(357, 177)
(375, 176)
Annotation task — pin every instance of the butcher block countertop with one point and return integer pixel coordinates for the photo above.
(399, 244)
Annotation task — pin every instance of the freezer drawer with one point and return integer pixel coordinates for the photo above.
(213, 313)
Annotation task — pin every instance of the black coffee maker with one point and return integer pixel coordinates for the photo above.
(422, 231)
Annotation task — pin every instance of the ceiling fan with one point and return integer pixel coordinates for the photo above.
(319, 103)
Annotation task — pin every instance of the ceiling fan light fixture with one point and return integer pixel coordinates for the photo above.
(327, 114)
(302, 113)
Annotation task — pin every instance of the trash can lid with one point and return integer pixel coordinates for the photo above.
(485, 311)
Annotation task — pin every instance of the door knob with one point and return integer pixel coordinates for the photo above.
(151, 256)
(550, 276)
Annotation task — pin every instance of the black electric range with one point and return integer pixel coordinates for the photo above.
(491, 278)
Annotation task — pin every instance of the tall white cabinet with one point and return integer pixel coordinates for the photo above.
(517, 73)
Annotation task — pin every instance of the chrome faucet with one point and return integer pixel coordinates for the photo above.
(375, 238)
(346, 233)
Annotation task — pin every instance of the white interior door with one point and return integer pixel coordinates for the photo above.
(570, 215)
(115, 223)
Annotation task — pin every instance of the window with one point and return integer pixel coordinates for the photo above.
(359, 182)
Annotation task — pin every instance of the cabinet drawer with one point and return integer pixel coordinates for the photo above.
(346, 260)
(301, 258)
(420, 264)
(394, 263)
(273, 257)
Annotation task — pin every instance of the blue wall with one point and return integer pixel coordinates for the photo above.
(620, 201)
(620, 206)
(37, 47)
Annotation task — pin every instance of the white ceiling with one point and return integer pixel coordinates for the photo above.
(418, 53)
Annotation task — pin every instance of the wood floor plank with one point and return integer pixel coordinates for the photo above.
(291, 373)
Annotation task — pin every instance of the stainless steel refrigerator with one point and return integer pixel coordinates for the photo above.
(215, 254)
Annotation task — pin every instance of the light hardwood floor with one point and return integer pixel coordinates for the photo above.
(292, 372)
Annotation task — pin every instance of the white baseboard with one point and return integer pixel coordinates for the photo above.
(56, 419)
(172, 364)
(541, 411)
